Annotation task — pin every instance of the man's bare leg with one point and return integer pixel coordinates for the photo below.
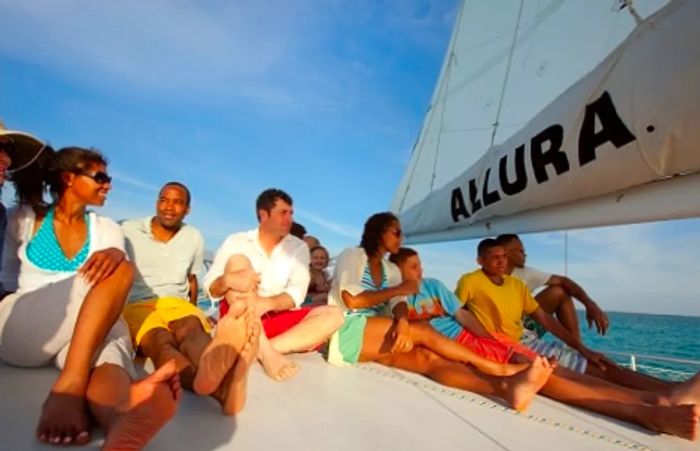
(556, 301)
(378, 336)
(276, 365)
(232, 392)
(132, 413)
(219, 356)
(628, 378)
(160, 346)
(624, 404)
(318, 325)
(517, 390)
(64, 417)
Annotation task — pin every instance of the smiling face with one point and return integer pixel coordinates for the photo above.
(172, 207)
(319, 258)
(90, 185)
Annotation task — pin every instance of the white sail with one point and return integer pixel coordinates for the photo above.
(597, 152)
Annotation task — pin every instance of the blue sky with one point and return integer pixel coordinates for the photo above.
(321, 98)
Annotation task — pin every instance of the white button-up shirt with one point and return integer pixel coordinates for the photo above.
(285, 270)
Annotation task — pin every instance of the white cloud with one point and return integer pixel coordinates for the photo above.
(330, 225)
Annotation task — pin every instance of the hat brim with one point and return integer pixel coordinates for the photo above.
(24, 148)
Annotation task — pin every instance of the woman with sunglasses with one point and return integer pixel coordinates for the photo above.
(69, 278)
(366, 285)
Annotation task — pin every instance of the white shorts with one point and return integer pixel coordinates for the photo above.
(36, 328)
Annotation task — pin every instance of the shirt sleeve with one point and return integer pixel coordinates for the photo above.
(218, 265)
(298, 282)
(109, 233)
(448, 299)
(198, 261)
(529, 304)
(463, 291)
(534, 278)
(347, 275)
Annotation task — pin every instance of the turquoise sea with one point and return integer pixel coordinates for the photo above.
(650, 335)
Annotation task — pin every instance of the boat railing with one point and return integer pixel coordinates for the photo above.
(633, 358)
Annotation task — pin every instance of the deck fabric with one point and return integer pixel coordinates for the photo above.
(328, 408)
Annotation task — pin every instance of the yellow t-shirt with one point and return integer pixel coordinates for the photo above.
(499, 308)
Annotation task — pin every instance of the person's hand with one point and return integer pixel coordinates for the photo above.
(101, 264)
(596, 358)
(244, 280)
(595, 315)
(402, 338)
(408, 287)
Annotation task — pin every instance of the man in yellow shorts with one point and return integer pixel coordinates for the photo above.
(162, 314)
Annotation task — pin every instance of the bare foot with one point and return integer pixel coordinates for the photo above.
(64, 420)
(232, 392)
(277, 366)
(152, 403)
(231, 334)
(681, 421)
(687, 392)
(524, 386)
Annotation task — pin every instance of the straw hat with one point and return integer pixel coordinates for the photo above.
(25, 147)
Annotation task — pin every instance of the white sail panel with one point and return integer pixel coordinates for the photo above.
(459, 125)
(631, 121)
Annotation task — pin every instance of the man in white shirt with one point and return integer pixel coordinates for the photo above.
(164, 320)
(556, 298)
(282, 263)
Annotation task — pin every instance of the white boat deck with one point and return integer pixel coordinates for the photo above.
(369, 407)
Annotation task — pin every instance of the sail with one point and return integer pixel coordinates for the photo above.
(513, 142)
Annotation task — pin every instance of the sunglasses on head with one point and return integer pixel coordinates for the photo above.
(101, 178)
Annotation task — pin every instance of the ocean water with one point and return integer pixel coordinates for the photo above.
(653, 335)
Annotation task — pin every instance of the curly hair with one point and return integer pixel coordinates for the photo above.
(30, 183)
(374, 228)
(70, 159)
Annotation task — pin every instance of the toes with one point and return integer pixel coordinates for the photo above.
(83, 438)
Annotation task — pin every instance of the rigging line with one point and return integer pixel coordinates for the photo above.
(507, 75)
(629, 4)
(426, 126)
(443, 100)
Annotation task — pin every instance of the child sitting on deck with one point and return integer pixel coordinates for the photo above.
(320, 283)
(439, 306)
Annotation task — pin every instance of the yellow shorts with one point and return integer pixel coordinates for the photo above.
(144, 316)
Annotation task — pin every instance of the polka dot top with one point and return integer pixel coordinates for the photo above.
(44, 251)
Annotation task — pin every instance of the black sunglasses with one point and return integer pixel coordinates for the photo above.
(101, 178)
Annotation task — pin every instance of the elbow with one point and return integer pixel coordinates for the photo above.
(349, 300)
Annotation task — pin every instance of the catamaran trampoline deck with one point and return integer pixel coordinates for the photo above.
(369, 407)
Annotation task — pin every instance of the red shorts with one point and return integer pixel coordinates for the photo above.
(275, 323)
(488, 348)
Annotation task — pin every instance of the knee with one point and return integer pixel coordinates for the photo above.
(184, 327)
(558, 293)
(155, 340)
(237, 262)
(334, 315)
